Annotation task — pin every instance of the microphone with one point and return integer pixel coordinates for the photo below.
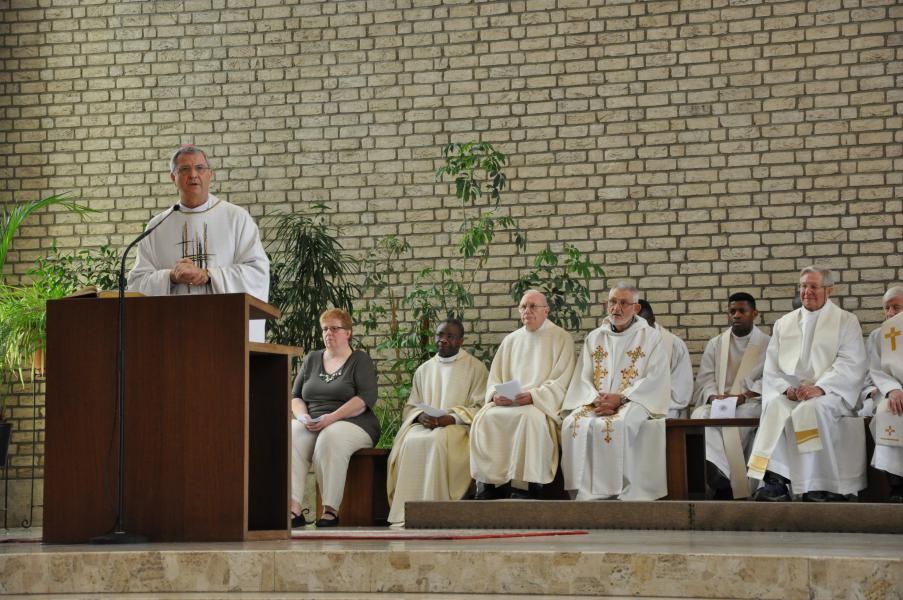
(119, 535)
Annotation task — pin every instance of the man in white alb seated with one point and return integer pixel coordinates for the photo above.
(808, 435)
(209, 247)
(613, 437)
(516, 439)
(430, 459)
(885, 350)
(680, 367)
(731, 366)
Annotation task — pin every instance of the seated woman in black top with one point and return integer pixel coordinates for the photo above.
(332, 400)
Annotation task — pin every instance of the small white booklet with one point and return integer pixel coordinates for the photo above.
(432, 411)
(306, 419)
(725, 408)
(888, 429)
(509, 389)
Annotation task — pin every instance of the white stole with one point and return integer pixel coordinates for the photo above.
(733, 447)
(823, 351)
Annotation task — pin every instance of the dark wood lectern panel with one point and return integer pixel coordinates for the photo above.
(196, 405)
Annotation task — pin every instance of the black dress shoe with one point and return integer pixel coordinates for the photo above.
(488, 491)
(774, 490)
(896, 488)
(519, 494)
(718, 482)
(821, 496)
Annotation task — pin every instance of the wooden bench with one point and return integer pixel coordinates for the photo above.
(685, 443)
(365, 502)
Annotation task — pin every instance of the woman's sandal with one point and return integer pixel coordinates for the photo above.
(333, 522)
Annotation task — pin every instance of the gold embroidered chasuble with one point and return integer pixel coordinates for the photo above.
(603, 456)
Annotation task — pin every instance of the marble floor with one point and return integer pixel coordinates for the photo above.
(609, 563)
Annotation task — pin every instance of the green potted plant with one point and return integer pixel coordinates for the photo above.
(309, 273)
(22, 308)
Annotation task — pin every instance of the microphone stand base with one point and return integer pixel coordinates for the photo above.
(119, 537)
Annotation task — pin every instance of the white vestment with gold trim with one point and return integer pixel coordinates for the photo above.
(886, 371)
(819, 444)
(434, 464)
(520, 443)
(623, 455)
(731, 365)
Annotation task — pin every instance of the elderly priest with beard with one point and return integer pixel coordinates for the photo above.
(613, 440)
(815, 366)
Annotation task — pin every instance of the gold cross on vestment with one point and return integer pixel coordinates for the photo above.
(636, 354)
(892, 336)
(889, 431)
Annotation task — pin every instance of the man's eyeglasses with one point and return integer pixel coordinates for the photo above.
(186, 169)
(447, 336)
(526, 307)
(621, 303)
(331, 328)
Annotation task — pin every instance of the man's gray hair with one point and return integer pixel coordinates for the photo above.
(186, 149)
(627, 287)
(532, 291)
(827, 276)
(891, 293)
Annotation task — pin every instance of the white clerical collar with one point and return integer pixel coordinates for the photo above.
(806, 314)
(205, 206)
(448, 359)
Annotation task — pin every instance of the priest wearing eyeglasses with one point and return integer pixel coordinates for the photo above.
(209, 247)
(809, 442)
(514, 438)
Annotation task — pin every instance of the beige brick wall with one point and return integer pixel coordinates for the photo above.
(697, 147)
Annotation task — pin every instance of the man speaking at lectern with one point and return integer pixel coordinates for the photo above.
(209, 247)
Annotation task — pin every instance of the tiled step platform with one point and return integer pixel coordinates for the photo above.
(846, 517)
(637, 563)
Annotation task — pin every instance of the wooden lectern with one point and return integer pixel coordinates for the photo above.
(207, 429)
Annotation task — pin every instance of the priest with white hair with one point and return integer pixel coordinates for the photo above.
(514, 438)
(613, 437)
(809, 437)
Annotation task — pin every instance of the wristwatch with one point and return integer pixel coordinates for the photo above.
(624, 399)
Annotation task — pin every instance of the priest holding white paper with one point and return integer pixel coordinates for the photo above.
(516, 439)
(886, 371)
(430, 458)
(209, 247)
(731, 367)
(613, 438)
(808, 435)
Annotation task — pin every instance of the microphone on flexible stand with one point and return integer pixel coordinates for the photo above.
(119, 535)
